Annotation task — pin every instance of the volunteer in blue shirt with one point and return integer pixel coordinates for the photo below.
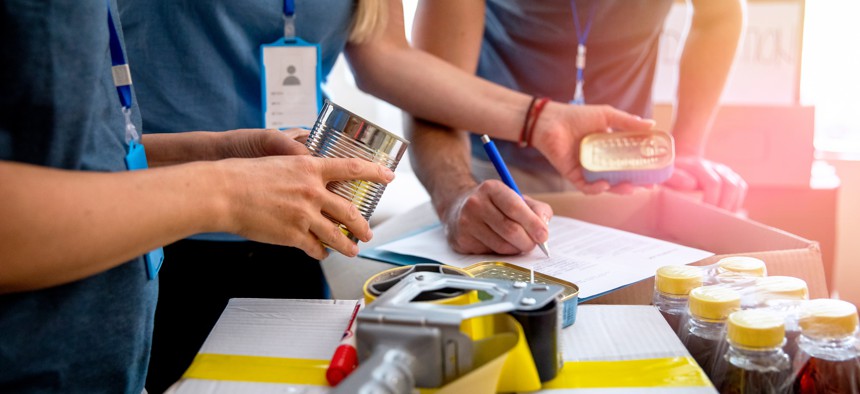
(579, 51)
(199, 66)
(76, 302)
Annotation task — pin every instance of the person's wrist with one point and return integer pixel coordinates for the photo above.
(546, 125)
(223, 188)
(683, 149)
(448, 199)
(223, 145)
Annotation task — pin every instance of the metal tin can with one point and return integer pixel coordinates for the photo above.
(508, 271)
(637, 157)
(339, 133)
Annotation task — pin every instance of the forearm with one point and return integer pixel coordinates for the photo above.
(452, 31)
(434, 89)
(445, 94)
(177, 148)
(59, 226)
(446, 176)
(707, 57)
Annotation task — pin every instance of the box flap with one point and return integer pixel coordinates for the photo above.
(685, 220)
(636, 213)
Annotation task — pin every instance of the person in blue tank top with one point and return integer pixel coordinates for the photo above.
(76, 301)
(198, 65)
(579, 51)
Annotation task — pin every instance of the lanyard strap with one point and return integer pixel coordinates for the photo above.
(582, 37)
(119, 69)
(121, 78)
(289, 20)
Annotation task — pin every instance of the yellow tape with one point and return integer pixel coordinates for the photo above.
(656, 372)
(660, 372)
(258, 369)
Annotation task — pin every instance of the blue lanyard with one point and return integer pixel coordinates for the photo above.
(289, 20)
(121, 79)
(120, 71)
(582, 37)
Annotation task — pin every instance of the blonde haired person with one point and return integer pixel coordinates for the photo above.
(196, 65)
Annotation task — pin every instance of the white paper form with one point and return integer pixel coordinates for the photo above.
(596, 258)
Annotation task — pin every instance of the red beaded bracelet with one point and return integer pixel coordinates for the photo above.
(534, 114)
(523, 141)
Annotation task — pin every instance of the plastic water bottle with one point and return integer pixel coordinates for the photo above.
(755, 361)
(828, 360)
(672, 286)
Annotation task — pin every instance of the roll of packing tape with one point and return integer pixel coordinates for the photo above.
(381, 282)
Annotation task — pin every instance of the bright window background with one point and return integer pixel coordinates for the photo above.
(830, 73)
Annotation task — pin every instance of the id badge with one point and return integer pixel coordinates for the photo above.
(291, 75)
(136, 160)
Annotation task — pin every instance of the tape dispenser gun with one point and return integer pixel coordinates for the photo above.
(404, 344)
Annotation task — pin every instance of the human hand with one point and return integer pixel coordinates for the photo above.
(721, 185)
(492, 218)
(251, 143)
(560, 129)
(283, 200)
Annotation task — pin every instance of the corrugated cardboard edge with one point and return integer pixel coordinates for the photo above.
(675, 217)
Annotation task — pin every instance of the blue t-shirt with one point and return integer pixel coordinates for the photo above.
(196, 65)
(530, 46)
(60, 109)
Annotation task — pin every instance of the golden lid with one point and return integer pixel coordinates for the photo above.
(756, 328)
(627, 150)
(678, 279)
(782, 288)
(828, 318)
(742, 265)
(713, 302)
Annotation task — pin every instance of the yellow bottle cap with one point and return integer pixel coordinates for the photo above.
(742, 265)
(827, 318)
(713, 302)
(756, 328)
(678, 279)
(782, 288)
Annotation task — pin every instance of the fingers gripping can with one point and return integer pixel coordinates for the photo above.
(339, 133)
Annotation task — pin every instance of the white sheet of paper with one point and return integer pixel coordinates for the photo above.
(291, 86)
(280, 328)
(596, 258)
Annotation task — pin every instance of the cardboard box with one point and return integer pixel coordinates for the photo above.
(268, 345)
(807, 212)
(674, 217)
(766, 145)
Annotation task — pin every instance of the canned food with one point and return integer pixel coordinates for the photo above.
(508, 271)
(339, 133)
(640, 158)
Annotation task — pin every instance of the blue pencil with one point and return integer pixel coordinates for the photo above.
(502, 169)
